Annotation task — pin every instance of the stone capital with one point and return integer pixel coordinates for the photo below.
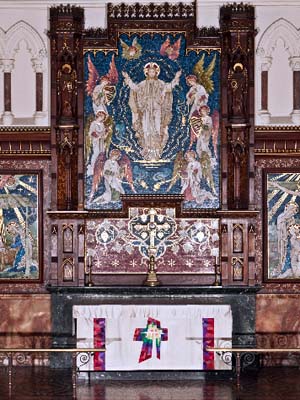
(8, 65)
(266, 63)
(295, 63)
(37, 64)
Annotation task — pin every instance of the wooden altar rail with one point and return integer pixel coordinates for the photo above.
(75, 352)
(239, 351)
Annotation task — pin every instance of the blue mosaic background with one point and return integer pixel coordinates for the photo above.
(19, 227)
(283, 201)
(149, 177)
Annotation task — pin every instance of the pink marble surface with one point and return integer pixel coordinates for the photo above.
(25, 313)
(278, 313)
(192, 251)
(25, 320)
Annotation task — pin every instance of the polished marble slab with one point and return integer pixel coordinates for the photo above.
(56, 384)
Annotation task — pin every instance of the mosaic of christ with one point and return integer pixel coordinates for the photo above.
(152, 122)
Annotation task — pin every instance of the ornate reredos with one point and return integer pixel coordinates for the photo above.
(151, 107)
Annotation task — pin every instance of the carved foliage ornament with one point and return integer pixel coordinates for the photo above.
(151, 11)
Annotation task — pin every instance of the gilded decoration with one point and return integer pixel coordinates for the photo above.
(152, 121)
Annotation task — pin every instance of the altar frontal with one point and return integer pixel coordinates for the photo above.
(156, 337)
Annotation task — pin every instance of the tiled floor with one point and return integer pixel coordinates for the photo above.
(46, 384)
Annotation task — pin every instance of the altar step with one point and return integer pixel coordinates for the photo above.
(56, 384)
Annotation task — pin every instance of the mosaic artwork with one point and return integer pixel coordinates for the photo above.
(283, 225)
(19, 224)
(151, 121)
(178, 245)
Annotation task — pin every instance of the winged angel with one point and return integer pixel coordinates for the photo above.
(170, 50)
(102, 89)
(111, 167)
(131, 52)
(100, 125)
(195, 167)
(114, 171)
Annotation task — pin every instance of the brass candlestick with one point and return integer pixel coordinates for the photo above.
(90, 264)
(151, 279)
(217, 273)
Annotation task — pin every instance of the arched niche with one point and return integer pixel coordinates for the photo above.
(22, 39)
(277, 49)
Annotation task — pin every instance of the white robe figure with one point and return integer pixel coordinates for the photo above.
(112, 174)
(151, 106)
(98, 133)
(197, 96)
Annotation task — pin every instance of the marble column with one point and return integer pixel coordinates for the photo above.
(264, 112)
(39, 92)
(295, 65)
(7, 116)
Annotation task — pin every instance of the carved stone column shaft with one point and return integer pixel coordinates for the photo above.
(7, 116)
(295, 65)
(296, 90)
(7, 91)
(264, 90)
(39, 91)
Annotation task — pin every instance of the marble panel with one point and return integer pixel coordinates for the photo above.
(25, 320)
(278, 313)
(184, 246)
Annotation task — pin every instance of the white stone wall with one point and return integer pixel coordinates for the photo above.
(24, 50)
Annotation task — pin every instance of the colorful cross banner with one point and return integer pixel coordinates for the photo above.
(156, 337)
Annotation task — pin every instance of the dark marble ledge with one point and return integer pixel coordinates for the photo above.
(161, 291)
(162, 375)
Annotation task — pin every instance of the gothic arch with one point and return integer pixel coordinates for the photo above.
(2, 43)
(22, 31)
(280, 29)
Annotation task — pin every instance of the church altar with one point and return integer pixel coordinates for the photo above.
(152, 337)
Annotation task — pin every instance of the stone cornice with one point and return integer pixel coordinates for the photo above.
(38, 4)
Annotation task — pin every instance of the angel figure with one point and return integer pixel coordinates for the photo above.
(188, 168)
(99, 138)
(23, 243)
(101, 89)
(112, 170)
(202, 130)
(294, 233)
(284, 221)
(201, 85)
(171, 51)
(131, 52)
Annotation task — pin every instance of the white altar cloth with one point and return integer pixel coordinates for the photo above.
(153, 337)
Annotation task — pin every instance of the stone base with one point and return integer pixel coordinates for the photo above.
(264, 117)
(296, 117)
(39, 118)
(7, 118)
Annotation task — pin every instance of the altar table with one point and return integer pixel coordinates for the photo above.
(152, 337)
